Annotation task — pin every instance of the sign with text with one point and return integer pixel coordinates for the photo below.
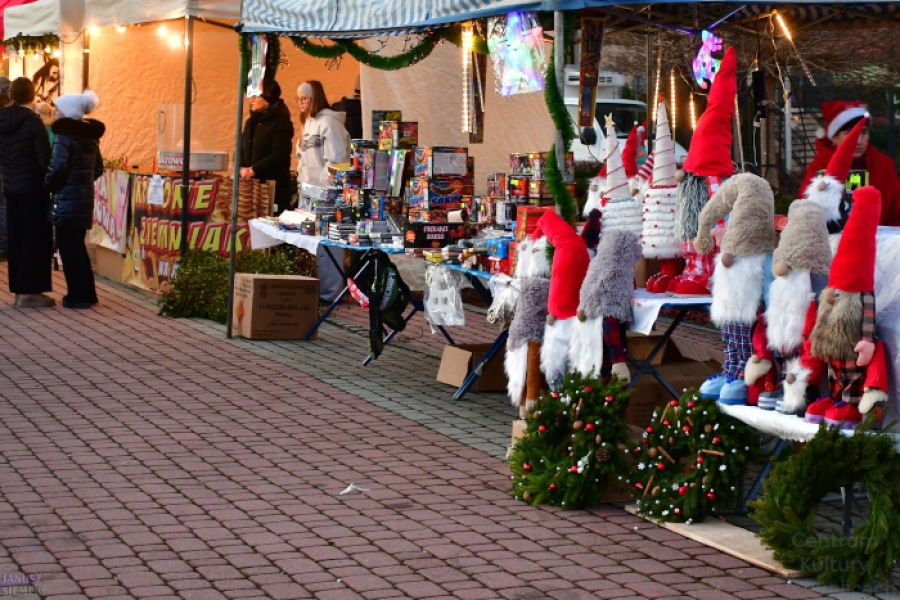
(111, 193)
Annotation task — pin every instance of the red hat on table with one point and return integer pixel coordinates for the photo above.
(837, 114)
(710, 152)
(629, 153)
(853, 265)
(842, 159)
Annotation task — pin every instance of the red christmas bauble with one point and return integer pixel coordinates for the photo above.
(649, 430)
(661, 467)
(700, 459)
(683, 490)
(686, 428)
(541, 429)
(711, 496)
(677, 511)
(639, 485)
(717, 440)
(589, 427)
(526, 467)
(667, 423)
(574, 469)
(673, 403)
(609, 398)
(691, 404)
(552, 487)
(588, 390)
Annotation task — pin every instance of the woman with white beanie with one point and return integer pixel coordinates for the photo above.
(74, 166)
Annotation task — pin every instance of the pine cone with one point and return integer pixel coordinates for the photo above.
(602, 455)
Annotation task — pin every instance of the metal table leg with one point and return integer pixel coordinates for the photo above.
(646, 366)
(476, 372)
(767, 468)
(340, 297)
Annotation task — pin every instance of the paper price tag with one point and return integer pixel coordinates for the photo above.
(155, 196)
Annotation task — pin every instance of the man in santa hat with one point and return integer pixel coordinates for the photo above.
(800, 265)
(740, 274)
(619, 209)
(569, 265)
(605, 307)
(840, 119)
(526, 332)
(708, 164)
(843, 335)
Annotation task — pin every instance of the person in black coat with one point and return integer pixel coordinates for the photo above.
(75, 165)
(267, 143)
(24, 156)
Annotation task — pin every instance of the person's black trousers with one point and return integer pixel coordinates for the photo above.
(30, 243)
(76, 265)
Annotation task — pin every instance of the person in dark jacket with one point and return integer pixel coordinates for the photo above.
(4, 102)
(75, 165)
(24, 156)
(267, 143)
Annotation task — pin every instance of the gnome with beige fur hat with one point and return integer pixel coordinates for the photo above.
(800, 266)
(739, 278)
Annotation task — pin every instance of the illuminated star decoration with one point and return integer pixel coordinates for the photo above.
(705, 66)
(609, 122)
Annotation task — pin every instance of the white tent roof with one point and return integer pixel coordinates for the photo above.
(71, 16)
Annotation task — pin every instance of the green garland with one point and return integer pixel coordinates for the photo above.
(338, 48)
(33, 43)
(556, 106)
(793, 491)
(574, 444)
(690, 461)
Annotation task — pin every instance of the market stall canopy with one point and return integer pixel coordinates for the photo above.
(71, 16)
(4, 6)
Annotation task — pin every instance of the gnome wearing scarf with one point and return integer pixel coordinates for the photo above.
(708, 164)
(619, 208)
(526, 333)
(843, 336)
(605, 306)
(740, 274)
(828, 190)
(800, 266)
(658, 239)
(569, 265)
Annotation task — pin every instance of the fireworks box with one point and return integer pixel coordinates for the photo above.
(440, 162)
(274, 307)
(496, 185)
(527, 218)
(538, 189)
(520, 162)
(498, 247)
(534, 164)
(517, 187)
(432, 193)
(384, 115)
(398, 134)
(434, 215)
(433, 235)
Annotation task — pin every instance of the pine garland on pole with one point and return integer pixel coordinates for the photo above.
(690, 461)
(574, 444)
(793, 491)
(556, 106)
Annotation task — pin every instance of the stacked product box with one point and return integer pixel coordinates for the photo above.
(442, 181)
(394, 135)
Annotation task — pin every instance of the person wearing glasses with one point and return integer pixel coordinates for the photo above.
(324, 140)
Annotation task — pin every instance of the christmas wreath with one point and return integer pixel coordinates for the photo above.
(690, 461)
(574, 443)
(792, 493)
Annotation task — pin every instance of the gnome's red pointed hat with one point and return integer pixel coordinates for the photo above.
(853, 265)
(837, 114)
(842, 159)
(629, 153)
(570, 263)
(710, 151)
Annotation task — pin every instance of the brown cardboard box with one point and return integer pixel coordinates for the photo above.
(457, 361)
(649, 393)
(110, 264)
(640, 347)
(274, 307)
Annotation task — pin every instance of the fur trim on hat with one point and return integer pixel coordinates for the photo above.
(609, 284)
(737, 290)
(621, 214)
(555, 351)
(586, 346)
(804, 241)
(658, 233)
(751, 228)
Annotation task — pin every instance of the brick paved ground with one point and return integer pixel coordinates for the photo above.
(143, 457)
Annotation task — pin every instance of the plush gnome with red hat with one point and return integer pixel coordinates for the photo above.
(828, 190)
(800, 265)
(569, 265)
(658, 239)
(740, 275)
(605, 306)
(708, 163)
(843, 335)
(620, 210)
(637, 184)
(526, 332)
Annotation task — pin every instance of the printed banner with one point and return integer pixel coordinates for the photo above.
(111, 194)
(154, 234)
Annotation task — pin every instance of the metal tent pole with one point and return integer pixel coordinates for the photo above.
(186, 147)
(559, 64)
(235, 193)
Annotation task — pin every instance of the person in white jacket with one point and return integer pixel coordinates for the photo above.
(324, 139)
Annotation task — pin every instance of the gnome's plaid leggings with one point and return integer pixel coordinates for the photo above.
(738, 348)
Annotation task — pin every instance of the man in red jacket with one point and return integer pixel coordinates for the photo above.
(840, 118)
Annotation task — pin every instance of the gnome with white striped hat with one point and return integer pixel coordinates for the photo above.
(619, 209)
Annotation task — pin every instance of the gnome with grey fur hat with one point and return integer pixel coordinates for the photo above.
(739, 277)
(605, 306)
(800, 265)
(526, 332)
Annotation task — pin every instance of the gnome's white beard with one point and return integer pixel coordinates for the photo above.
(829, 199)
(516, 366)
(595, 195)
(737, 290)
(789, 299)
(555, 350)
(586, 346)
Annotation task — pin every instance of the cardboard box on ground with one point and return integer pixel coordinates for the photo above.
(274, 307)
(457, 361)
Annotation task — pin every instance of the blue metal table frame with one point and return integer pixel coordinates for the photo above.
(476, 277)
(368, 251)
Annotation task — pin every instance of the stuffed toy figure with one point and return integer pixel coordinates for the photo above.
(619, 208)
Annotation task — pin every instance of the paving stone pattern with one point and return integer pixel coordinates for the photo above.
(144, 457)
